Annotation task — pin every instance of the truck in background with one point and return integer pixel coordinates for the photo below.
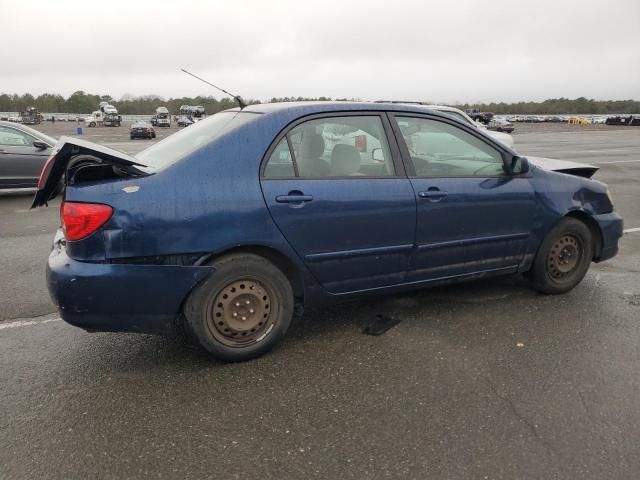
(161, 118)
(107, 116)
(31, 116)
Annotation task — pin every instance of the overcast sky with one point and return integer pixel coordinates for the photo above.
(442, 51)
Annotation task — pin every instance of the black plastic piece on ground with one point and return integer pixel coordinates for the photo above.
(381, 324)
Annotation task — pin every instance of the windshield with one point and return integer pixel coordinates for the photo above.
(179, 145)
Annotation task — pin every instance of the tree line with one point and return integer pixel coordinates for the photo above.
(83, 103)
(556, 106)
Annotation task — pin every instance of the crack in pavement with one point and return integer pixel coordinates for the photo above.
(512, 407)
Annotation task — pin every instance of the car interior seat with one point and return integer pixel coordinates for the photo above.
(345, 161)
(310, 163)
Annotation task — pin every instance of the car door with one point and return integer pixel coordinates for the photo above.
(20, 161)
(472, 216)
(336, 188)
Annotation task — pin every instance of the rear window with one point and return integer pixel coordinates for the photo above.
(179, 145)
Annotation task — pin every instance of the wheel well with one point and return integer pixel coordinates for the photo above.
(593, 228)
(278, 259)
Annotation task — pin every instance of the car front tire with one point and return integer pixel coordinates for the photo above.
(242, 310)
(563, 258)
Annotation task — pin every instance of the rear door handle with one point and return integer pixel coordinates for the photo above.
(294, 197)
(433, 195)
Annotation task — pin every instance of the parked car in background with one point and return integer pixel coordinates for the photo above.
(23, 153)
(499, 124)
(223, 227)
(478, 116)
(141, 130)
(184, 121)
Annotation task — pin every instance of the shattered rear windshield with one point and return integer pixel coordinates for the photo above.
(191, 138)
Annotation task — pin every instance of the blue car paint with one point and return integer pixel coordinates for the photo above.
(212, 201)
(112, 297)
(354, 234)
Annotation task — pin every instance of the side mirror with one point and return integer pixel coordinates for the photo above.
(518, 165)
(40, 145)
(377, 155)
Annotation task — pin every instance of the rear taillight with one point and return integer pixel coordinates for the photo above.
(45, 172)
(79, 220)
(149, 130)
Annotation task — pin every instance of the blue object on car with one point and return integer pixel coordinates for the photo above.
(224, 227)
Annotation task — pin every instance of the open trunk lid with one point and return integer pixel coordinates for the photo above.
(64, 155)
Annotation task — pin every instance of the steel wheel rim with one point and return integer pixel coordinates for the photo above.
(564, 256)
(243, 313)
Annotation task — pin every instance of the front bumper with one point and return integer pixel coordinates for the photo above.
(611, 226)
(119, 297)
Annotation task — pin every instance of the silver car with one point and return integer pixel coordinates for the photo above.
(23, 153)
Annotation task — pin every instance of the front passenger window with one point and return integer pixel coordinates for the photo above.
(11, 137)
(438, 149)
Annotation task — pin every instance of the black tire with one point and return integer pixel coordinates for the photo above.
(132, 137)
(216, 311)
(563, 258)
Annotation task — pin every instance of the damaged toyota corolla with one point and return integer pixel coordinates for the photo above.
(223, 228)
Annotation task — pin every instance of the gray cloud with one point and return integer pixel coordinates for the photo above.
(446, 51)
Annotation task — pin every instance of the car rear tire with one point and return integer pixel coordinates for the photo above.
(92, 124)
(242, 310)
(563, 258)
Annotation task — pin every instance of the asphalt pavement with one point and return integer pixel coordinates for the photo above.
(481, 380)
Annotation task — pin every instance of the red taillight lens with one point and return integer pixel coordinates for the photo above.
(45, 172)
(79, 220)
(149, 129)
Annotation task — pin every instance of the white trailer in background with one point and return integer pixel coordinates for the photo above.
(107, 116)
(161, 118)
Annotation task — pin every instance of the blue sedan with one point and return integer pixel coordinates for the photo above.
(224, 227)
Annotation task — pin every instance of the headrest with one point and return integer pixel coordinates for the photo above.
(345, 160)
(313, 146)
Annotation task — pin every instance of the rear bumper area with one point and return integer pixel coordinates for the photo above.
(611, 226)
(119, 298)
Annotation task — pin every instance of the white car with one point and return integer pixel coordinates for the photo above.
(502, 137)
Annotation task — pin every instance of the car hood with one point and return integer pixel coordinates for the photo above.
(502, 137)
(564, 166)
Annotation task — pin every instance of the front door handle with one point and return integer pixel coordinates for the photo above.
(295, 197)
(432, 194)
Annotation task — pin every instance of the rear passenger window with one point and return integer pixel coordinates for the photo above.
(280, 163)
(354, 146)
(333, 147)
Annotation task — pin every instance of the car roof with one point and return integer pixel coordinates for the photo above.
(319, 107)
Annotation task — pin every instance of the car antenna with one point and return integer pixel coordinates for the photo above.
(237, 98)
